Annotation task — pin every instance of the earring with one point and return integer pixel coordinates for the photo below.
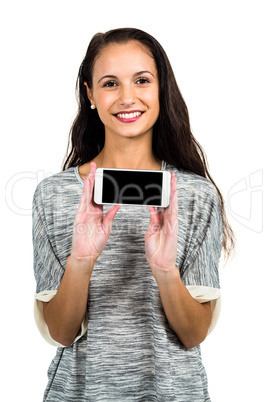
(93, 107)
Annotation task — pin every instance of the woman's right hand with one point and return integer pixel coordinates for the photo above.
(91, 229)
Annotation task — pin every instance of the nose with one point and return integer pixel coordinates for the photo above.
(127, 96)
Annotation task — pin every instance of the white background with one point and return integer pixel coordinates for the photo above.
(218, 50)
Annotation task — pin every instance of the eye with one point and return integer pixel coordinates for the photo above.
(109, 84)
(142, 80)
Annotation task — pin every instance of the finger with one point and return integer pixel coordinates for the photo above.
(109, 218)
(173, 205)
(154, 223)
(93, 168)
(154, 216)
(171, 215)
(89, 184)
(87, 204)
(85, 197)
(91, 176)
(91, 206)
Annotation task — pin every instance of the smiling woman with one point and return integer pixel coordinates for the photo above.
(128, 296)
(125, 90)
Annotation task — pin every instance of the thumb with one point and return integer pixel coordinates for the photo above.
(109, 218)
(154, 224)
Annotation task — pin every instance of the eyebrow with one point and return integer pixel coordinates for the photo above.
(134, 75)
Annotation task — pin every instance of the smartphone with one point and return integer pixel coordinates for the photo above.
(132, 187)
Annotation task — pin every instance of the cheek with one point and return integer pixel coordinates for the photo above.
(154, 103)
(153, 99)
(102, 101)
(103, 104)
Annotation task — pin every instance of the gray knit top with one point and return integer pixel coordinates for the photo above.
(126, 350)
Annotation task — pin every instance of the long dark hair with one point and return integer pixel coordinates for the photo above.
(173, 141)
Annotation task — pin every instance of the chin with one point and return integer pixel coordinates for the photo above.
(133, 134)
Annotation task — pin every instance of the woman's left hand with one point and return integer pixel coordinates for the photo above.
(162, 235)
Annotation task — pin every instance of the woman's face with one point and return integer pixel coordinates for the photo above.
(125, 90)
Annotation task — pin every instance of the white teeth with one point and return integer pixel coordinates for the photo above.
(128, 115)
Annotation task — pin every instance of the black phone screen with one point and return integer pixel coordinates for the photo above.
(127, 187)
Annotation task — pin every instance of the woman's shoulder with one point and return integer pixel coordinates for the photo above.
(58, 183)
(192, 184)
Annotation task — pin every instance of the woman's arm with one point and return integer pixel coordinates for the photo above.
(189, 319)
(65, 312)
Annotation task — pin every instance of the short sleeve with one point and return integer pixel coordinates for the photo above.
(48, 270)
(200, 269)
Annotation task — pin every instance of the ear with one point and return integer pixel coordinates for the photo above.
(89, 94)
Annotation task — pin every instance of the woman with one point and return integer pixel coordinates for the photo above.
(125, 293)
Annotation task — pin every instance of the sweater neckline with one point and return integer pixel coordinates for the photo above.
(79, 178)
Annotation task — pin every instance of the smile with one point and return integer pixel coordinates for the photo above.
(128, 117)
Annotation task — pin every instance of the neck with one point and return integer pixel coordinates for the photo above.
(128, 154)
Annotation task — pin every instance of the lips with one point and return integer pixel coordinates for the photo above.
(129, 117)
